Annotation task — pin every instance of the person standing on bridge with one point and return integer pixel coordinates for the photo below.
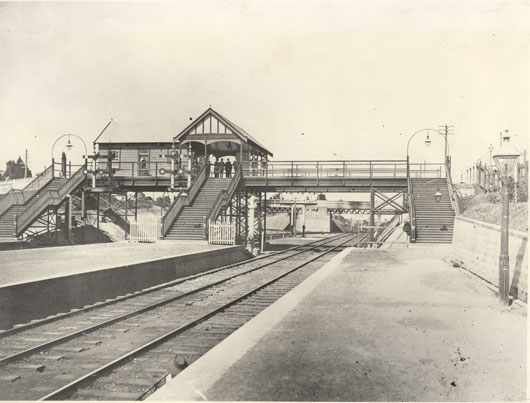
(228, 168)
(63, 164)
(216, 168)
(264, 165)
(254, 165)
(221, 168)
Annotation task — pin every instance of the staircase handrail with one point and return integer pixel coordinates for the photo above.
(454, 193)
(21, 196)
(223, 199)
(51, 197)
(410, 200)
(181, 201)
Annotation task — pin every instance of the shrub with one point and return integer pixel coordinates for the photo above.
(522, 191)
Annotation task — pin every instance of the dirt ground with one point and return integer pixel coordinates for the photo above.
(385, 325)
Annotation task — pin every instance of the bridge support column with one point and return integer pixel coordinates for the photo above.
(126, 210)
(372, 208)
(97, 218)
(264, 207)
(84, 214)
(57, 225)
(68, 218)
(250, 223)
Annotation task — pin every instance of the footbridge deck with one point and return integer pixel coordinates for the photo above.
(291, 176)
(335, 176)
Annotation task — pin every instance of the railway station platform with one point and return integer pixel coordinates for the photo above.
(373, 325)
(35, 283)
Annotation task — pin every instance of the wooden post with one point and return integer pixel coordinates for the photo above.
(372, 207)
(135, 206)
(264, 221)
(126, 203)
(68, 216)
(83, 214)
(97, 219)
(57, 219)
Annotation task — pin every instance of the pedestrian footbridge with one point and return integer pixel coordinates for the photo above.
(189, 166)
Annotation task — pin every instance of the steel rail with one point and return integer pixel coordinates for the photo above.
(97, 305)
(92, 328)
(73, 386)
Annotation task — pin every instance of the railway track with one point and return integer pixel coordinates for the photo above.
(124, 349)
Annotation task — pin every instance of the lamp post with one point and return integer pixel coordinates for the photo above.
(427, 143)
(505, 159)
(69, 145)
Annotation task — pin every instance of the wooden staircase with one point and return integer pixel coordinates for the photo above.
(434, 220)
(7, 219)
(189, 224)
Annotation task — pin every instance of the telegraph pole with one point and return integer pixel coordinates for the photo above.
(446, 130)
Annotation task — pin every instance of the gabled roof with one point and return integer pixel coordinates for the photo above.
(232, 129)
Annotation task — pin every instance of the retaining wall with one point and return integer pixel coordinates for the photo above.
(476, 247)
(21, 303)
(315, 221)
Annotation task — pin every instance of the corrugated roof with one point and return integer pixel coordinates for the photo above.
(139, 132)
(164, 131)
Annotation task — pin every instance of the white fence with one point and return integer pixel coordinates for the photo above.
(222, 232)
(145, 229)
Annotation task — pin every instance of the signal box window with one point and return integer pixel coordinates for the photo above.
(143, 162)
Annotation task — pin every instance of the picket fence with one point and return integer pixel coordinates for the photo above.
(222, 232)
(145, 229)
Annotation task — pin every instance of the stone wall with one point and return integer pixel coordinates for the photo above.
(476, 247)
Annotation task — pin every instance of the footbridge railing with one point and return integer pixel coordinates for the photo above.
(222, 201)
(183, 200)
(49, 198)
(341, 169)
(412, 213)
(22, 196)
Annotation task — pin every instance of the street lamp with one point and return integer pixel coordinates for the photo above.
(69, 145)
(427, 143)
(505, 159)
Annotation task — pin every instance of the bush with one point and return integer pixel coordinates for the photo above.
(522, 191)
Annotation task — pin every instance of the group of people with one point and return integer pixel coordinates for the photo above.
(221, 168)
(258, 165)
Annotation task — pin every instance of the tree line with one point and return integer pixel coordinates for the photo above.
(15, 170)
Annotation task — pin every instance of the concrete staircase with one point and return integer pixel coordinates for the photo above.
(189, 224)
(434, 220)
(7, 219)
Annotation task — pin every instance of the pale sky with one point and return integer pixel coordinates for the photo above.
(357, 78)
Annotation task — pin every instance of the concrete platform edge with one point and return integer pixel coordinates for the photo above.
(194, 382)
(38, 299)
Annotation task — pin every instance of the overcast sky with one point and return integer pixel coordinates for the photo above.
(357, 78)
